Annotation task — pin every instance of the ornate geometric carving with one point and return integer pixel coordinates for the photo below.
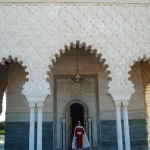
(143, 55)
(68, 89)
(37, 33)
(79, 1)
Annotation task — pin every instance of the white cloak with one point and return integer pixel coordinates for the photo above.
(85, 141)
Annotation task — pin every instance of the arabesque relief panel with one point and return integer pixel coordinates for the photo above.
(39, 32)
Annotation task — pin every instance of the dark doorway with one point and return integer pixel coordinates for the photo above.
(76, 114)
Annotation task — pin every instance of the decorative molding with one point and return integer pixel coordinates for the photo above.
(17, 117)
(134, 114)
(80, 1)
(111, 115)
(25, 117)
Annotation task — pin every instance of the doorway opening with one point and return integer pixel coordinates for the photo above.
(76, 114)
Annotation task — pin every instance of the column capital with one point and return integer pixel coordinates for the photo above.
(32, 104)
(36, 90)
(125, 103)
(117, 103)
(39, 104)
(35, 98)
(121, 97)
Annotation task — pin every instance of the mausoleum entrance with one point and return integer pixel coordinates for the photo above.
(68, 94)
(76, 112)
(74, 102)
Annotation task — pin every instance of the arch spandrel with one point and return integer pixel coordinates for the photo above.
(125, 84)
(145, 56)
(33, 86)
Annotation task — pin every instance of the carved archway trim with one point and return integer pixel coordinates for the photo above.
(138, 57)
(131, 61)
(22, 61)
(69, 103)
(142, 56)
(84, 105)
(126, 87)
(92, 50)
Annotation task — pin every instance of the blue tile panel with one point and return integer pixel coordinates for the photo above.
(138, 134)
(17, 136)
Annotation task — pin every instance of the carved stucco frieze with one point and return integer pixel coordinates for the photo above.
(37, 33)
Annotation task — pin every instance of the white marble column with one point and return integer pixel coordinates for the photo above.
(148, 125)
(32, 126)
(126, 125)
(147, 99)
(64, 133)
(90, 132)
(39, 125)
(119, 127)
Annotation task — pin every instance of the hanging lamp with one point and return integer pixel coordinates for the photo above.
(77, 78)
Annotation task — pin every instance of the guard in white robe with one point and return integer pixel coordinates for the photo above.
(85, 143)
